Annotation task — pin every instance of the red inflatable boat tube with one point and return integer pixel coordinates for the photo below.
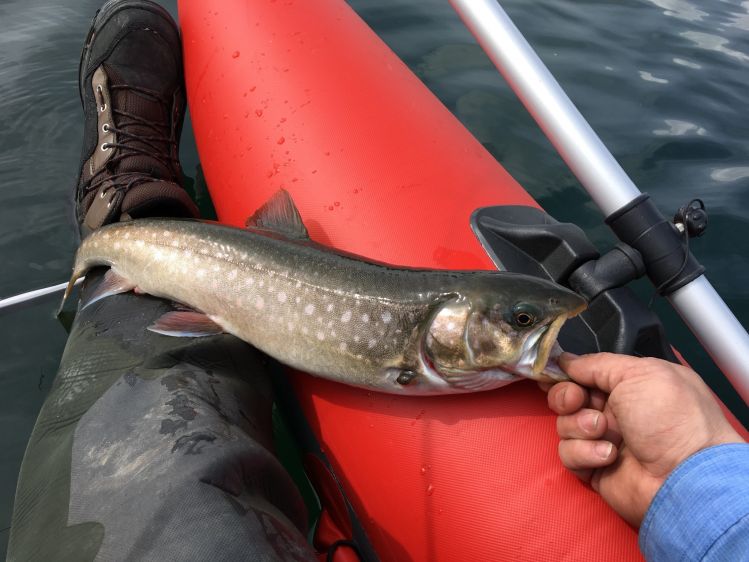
(302, 95)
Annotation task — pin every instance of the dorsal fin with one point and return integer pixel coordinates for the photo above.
(280, 215)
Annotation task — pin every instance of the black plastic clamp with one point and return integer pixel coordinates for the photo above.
(667, 259)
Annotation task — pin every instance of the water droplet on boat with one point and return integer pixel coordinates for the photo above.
(314, 171)
(330, 208)
(423, 469)
(430, 490)
(235, 55)
(253, 88)
(281, 140)
(259, 112)
(337, 203)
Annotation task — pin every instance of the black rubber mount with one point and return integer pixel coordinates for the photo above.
(527, 240)
(668, 264)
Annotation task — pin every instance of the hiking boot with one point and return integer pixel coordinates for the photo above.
(132, 90)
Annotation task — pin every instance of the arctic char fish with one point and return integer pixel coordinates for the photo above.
(334, 315)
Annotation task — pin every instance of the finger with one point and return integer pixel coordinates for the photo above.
(601, 370)
(584, 424)
(545, 386)
(581, 454)
(597, 399)
(567, 397)
(585, 475)
(613, 433)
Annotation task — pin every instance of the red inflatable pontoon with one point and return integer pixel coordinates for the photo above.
(302, 95)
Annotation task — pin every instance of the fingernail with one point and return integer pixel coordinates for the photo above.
(589, 422)
(603, 449)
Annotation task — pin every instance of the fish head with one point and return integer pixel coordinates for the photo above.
(481, 338)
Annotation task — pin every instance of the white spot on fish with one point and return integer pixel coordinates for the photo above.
(140, 243)
(200, 273)
(305, 331)
(259, 302)
(166, 234)
(346, 316)
(216, 269)
(297, 299)
(116, 245)
(127, 235)
(371, 343)
(343, 346)
(261, 283)
(204, 251)
(298, 284)
(233, 274)
(451, 325)
(365, 317)
(250, 281)
(330, 307)
(387, 317)
(243, 256)
(309, 309)
(106, 236)
(330, 323)
(281, 297)
(290, 326)
(320, 336)
(175, 243)
(356, 339)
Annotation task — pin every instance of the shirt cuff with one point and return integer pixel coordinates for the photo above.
(701, 500)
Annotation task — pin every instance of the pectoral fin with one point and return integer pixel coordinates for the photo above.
(480, 380)
(111, 284)
(185, 324)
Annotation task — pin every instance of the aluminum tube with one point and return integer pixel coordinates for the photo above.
(704, 312)
(582, 150)
(717, 329)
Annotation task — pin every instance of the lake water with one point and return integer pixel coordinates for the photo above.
(663, 82)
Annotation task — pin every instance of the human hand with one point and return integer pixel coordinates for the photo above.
(637, 420)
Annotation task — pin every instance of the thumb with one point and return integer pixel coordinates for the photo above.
(600, 370)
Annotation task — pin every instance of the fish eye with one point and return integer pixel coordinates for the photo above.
(524, 315)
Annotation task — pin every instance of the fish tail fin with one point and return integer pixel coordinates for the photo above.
(68, 290)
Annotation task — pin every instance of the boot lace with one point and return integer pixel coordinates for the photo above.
(156, 146)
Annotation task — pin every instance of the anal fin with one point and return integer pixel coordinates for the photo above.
(111, 284)
(185, 324)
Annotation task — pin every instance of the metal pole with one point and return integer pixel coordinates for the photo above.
(699, 305)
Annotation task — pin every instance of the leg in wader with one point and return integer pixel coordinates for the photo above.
(148, 447)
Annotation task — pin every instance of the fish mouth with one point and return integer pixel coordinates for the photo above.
(538, 357)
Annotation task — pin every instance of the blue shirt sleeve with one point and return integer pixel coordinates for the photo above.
(702, 510)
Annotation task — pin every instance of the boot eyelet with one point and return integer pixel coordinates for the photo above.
(99, 88)
(103, 108)
(101, 195)
(105, 146)
(105, 127)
